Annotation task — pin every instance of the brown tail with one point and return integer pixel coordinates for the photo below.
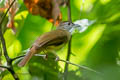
(27, 57)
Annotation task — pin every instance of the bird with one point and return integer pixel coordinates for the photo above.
(50, 41)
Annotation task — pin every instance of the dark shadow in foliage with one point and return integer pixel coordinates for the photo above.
(72, 75)
(45, 69)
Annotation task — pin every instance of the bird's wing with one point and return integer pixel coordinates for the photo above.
(55, 37)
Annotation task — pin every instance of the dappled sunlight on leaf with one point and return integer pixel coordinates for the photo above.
(113, 18)
(7, 76)
(23, 73)
(14, 49)
(88, 41)
(21, 15)
(104, 1)
(9, 37)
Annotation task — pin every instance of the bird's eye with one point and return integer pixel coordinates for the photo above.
(68, 23)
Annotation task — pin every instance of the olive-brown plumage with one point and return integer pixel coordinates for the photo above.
(53, 40)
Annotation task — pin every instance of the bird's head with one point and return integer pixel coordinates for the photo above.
(67, 26)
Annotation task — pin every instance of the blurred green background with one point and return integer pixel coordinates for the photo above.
(97, 48)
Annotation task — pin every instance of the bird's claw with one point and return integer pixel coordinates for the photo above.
(57, 58)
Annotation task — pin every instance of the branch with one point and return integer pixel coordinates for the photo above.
(4, 47)
(67, 59)
(80, 66)
(69, 44)
(9, 62)
(1, 34)
(58, 59)
(68, 62)
(41, 55)
(6, 67)
(17, 57)
(11, 70)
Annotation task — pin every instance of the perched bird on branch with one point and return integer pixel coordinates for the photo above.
(50, 41)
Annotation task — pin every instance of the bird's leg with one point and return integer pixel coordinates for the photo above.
(54, 53)
(46, 55)
(27, 50)
(56, 56)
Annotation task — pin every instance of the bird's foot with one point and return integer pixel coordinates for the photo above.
(45, 57)
(57, 58)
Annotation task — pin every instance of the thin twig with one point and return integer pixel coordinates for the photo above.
(6, 67)
(11, 70)
(80, 66)
(4, 47)
(67, 59)
(41, 55)
(9, 62)
(69, 44)
(3, 17)
(1, 34)
(0, 54)
(68, 62)
(8, 59)
(17, 57)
